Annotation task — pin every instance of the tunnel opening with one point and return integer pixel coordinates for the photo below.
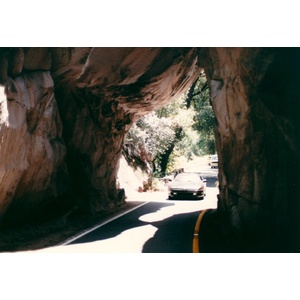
(255, 129)
(162, 141)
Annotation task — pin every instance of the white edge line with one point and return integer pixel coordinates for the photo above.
(76, 237)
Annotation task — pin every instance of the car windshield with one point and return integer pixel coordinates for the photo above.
(214, 157)
(187, 178)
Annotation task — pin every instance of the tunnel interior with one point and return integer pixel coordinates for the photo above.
(70, 108)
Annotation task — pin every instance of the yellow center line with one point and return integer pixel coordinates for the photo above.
(196, 232)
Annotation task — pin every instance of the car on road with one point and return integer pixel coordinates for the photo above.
(214, 161)
(187, 186)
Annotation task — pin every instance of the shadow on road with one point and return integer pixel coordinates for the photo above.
(120, 225)
(172, 232)
(211, 182)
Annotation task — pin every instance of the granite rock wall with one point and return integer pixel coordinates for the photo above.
(256, 103)
(64, 114)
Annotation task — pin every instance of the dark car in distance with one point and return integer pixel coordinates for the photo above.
(187, 186)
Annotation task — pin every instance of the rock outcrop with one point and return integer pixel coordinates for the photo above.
(32, 169)
(256, 103)
(64, 114)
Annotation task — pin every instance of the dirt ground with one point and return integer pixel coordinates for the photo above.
(33, 237)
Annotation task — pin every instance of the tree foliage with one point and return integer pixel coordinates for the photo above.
(182, 128)
(204, 117)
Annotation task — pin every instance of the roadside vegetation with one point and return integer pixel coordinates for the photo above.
(159, 142)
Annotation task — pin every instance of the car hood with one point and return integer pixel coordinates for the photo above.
(186, 185)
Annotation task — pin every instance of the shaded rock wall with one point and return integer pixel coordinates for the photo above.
(256, 102)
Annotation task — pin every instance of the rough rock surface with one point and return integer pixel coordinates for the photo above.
(32, 151)
(64, 114)
(256, 103)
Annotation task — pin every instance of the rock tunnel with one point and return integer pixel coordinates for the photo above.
(64, 113)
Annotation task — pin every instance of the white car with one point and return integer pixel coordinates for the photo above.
(214, 161)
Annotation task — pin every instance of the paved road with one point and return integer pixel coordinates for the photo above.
(154, 225)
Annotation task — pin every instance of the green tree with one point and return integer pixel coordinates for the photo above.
(199, 97)
(152, 135)
(182, 121)
(182, 128)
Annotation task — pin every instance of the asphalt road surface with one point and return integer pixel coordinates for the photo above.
(154, 225)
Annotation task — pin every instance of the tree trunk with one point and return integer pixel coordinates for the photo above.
(165, 157)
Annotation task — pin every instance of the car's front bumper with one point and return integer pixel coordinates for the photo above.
(186, 194)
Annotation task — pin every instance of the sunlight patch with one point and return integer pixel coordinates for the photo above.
(129, 241)
(3, 106)
(178, 208)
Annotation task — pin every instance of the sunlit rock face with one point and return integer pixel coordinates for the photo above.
(256, 100)
(32, 168)
(64, 114)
